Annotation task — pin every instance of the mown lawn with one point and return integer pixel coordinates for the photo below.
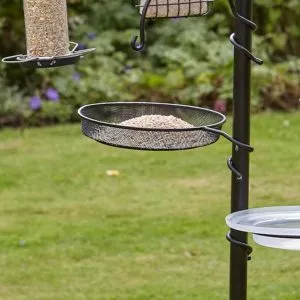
(68, 231)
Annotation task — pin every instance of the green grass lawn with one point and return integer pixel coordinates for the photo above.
(155, 232)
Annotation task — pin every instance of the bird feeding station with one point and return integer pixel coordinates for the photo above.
(159, 126)
(167, 127)
(47, 36)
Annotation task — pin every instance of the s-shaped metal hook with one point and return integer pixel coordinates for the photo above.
(138, 46)
(233, 40)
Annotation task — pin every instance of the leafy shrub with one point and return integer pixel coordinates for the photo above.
(186, 60)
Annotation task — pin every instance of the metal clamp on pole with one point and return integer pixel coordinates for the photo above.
(229, 138)
(245, 246)
(237, 144)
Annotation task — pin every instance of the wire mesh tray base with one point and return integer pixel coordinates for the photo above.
(48, 62)
(101, 122)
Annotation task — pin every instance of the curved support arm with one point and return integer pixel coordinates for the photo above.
(134, 43)
(251, 24)
(247, 248)
(246, 51)
(228, 137)
(238, 174)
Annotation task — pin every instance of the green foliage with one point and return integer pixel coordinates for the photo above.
(12, 106)
(186, 60)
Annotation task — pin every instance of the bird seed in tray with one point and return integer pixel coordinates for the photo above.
(157, 121)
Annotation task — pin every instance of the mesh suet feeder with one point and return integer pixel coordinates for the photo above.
(153, 9)
(47, 36)
(174, 8)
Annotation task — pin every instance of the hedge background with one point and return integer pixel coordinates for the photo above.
(186, 61)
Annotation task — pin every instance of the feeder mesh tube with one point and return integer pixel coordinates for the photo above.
(174, 8)
(46, 24)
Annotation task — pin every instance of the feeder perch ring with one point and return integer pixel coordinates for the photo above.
(48, 62)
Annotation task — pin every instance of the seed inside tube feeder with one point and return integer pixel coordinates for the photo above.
(46, 25)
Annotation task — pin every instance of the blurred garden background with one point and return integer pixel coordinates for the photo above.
(84, 221)
(186, 61)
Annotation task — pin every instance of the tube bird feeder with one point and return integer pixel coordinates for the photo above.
(47, 36)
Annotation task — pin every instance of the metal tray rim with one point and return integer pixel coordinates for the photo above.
(214, 125)
(282, 232)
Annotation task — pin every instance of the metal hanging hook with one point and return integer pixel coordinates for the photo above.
(246, 51)
(233, 40)
(251, 24)
(238, 174)
(137, 46)
(134, 43)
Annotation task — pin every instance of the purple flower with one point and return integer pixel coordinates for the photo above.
(35, 103)
(220, 106)
(81, 46)
(91, 35)
(52, 94)
(76, 76)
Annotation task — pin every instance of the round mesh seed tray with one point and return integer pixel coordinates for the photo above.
(101, 122)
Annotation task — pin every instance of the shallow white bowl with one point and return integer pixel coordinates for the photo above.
(276, 242)
(276, 220)
(275, 227)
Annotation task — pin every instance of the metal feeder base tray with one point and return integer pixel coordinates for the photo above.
(48, 62)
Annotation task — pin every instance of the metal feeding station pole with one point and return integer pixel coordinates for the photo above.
(239, 250)
(166, 127)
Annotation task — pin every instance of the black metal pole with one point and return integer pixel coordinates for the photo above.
(240, 157)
